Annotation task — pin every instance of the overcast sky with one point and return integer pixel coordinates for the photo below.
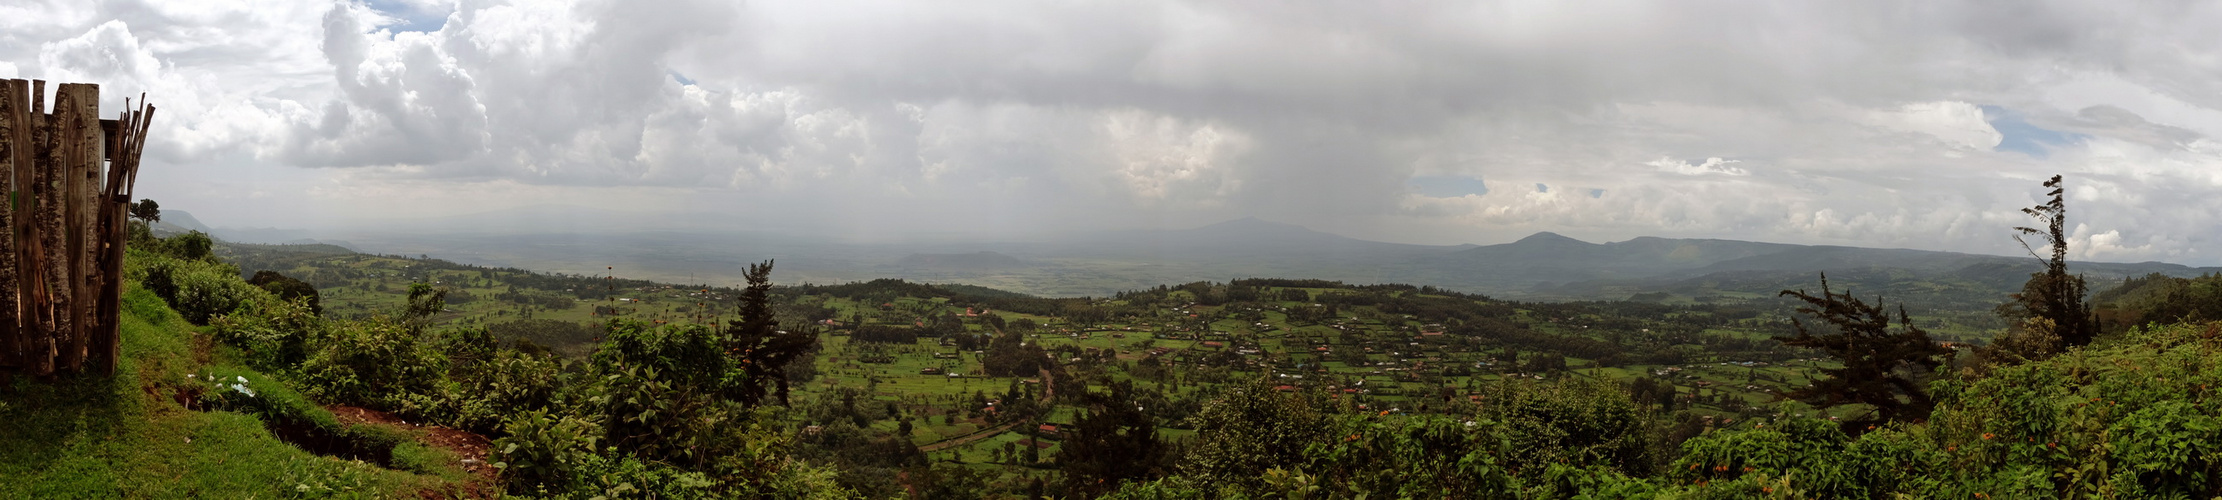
(1921, 124)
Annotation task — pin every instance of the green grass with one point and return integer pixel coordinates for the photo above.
(127, 437)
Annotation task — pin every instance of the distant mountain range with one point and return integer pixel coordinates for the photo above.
(179, 222)
(1543, 266)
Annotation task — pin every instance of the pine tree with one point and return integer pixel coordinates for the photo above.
(764, 350)
(1883, 369)
(2049, 315)
(1114, 442)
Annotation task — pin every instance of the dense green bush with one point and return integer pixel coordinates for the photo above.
(1530, 438)
(2132, 416)
(510, 383)
(288, 288)
(543, 451)
(275, 335)
(374, 363)
(197, 288)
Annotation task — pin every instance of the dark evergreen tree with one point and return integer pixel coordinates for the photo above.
(763, 349)
(2049, 314)
(1884, 369)
(1115, 442)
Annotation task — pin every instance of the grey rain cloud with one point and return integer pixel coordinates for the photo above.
(1868, 123)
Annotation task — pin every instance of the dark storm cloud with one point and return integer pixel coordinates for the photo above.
(1857, 122)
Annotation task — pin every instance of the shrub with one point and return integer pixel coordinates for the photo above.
(510, 383)
(198, 289)
(276, 336)
(2170, 448)
(285, 287)
(543, 452)
(375, 363)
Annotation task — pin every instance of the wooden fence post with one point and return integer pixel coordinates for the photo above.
(61, 254)
(12, 122)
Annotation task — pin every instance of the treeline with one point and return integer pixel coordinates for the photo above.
(885, 290)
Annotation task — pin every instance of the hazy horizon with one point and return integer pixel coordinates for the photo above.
(1922, 125)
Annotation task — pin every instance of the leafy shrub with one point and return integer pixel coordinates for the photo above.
(543, 451)
(193, 245)
(375, 363)
(277, 335)
(651, 415)
(1809, 449)
(2170, 448)
(510, 383)
(1251, 429)
(198, 289)
(287, 288)
(1577, 421)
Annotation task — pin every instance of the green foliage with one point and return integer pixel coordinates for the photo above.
(1885, 370)
(133, 436)
(762, 349)
(652, 415)
(543, 449)
(253, 393)
(146, 210)
(424, 301)
(374, 363)
(1809, 453)
(2053, 295)
(275, 336)
(1252, 429)
(1579, 422)
(2162, 299)
(509, 383)
(198, 288)
(562, 335)
(193, 245)
(2170, 447)
(1574, 436)
(287, 288)
(1113, 443)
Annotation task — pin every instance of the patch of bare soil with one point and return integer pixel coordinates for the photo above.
(470, 447)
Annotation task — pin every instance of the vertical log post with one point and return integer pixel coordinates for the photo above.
(77, 143)
(40, 200)
(67, 178)
(13, 125)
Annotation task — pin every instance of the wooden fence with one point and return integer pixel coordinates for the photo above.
(68, 176)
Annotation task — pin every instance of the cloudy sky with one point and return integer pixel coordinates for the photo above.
(1920, 124)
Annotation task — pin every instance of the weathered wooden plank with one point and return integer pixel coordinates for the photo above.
(115, 204)
(125, 178)
(66, 177)
(26, 166)
(107, 343)
(42, 242)
(61, 125)
(81, 169)
(11, 333)
(138, 147)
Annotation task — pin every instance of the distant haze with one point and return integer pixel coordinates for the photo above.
(1897, 124)
(1542, 266)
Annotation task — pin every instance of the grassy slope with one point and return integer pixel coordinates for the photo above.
(127, 437)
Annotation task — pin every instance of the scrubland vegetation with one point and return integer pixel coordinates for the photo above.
(317, 372)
